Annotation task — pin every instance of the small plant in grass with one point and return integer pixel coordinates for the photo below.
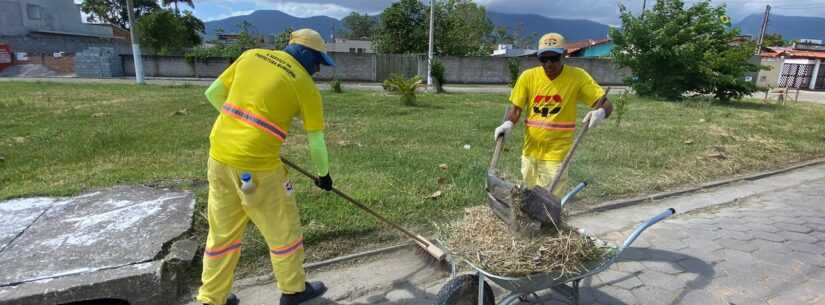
(438, 75)
(336, 86)
(620, 107)
(513, 65)
(404, 86)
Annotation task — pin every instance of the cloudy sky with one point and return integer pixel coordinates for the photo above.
(604, 11)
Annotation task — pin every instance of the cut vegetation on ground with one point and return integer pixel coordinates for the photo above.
(416, 164)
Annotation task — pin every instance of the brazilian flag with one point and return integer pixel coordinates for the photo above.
(725, 20)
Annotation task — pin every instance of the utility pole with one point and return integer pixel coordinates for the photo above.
(136, 57)
(430, 51)
(763, 29)
(644, 4)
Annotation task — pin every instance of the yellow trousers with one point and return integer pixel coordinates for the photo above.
(271, 207)
(541, 173)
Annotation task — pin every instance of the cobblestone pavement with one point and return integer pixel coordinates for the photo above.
(767, 249)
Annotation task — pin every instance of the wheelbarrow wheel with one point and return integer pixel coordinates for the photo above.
(463, 290)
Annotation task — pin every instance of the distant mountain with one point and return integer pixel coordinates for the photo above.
(527, 24)
(790, 27)
(269, 22)
(273, 22)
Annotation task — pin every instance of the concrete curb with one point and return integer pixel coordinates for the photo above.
(621, 203)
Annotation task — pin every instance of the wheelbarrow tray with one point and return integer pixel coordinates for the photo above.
(521, 286)
(540, 281)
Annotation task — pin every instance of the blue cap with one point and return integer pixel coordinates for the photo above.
(246, 177)
(327, 60)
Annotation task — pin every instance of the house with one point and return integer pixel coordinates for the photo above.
(508, 50)
(48, 26)
(341, 45)
(51, 32)
(799, 66)
(590, 48)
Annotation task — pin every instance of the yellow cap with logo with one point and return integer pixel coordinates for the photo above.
(311, 39)
(551, 42)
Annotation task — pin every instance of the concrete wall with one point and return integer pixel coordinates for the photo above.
(175, 66)
(98, 63)
(770, 78)
(368, 67)
(351, 67)
(62, 65)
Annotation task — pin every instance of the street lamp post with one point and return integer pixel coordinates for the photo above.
(430, 51)
(136, 57)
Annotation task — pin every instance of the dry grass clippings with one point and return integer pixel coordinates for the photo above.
(485, 241)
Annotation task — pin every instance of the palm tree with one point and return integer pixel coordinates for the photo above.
(191, 4)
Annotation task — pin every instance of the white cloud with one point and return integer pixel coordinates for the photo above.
(311, 9)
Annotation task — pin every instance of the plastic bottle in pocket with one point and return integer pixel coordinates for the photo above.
(247, 186)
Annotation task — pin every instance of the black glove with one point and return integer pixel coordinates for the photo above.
(325, 183)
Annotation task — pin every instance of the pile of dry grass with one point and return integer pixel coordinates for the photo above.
(485, 241)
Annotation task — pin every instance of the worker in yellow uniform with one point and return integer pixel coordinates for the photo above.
(549, 94)
(258, 96)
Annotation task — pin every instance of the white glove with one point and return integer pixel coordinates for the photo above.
(595, 117)
(503, 129)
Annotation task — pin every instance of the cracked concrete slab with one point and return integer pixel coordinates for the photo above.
(60, 245)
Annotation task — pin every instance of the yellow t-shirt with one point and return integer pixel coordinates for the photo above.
(267, 89)
(550, 107)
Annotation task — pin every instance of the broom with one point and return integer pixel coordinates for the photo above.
(422, 242)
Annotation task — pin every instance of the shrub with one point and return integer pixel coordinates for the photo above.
(404, 86)
(336, 86)
(513, 65)
(620, 107)
(438, 75)
(677, 49)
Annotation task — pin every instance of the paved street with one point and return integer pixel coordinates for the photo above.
(767, 249)
(751, 243)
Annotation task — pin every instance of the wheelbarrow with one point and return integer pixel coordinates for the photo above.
(472, 288)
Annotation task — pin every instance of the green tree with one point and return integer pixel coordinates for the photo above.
(166, 33)
(774, 40)
(402, 28)
(246, 41)
(282, 39)
(166, 3)
(676, 50)
(114, 11)
(461, 28)
(359, 26)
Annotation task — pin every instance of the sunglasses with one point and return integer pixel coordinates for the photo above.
(551, 58)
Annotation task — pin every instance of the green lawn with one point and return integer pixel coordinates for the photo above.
(61, 139)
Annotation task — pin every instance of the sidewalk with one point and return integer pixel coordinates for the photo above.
(323, 85)
(755, 242)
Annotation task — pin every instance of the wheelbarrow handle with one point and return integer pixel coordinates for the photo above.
(497, 152)
(572, 193)
(499, 143)
(643, 226)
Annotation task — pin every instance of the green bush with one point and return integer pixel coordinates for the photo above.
(513, 65)
(620, 107)
(404, 86)
(232, 51)
(438, 75)
(675, 50)
(335, 85)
